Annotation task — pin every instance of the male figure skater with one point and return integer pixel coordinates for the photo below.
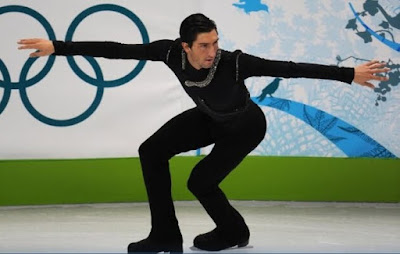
(224, 115)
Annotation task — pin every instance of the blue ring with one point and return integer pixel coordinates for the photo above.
(50, 32)
(106, 7)
(7, 88)
(66, 122)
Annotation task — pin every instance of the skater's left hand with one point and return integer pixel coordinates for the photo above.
(366, 72)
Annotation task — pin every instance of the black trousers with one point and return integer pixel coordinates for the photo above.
(190, 130)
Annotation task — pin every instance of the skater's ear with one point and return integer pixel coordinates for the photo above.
(186, 47)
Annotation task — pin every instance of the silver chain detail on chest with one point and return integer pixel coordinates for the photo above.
(210, 75)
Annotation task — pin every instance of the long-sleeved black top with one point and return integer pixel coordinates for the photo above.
(219, 89)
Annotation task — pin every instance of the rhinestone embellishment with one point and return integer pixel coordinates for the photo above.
(210, 75)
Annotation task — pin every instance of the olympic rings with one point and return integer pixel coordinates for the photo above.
(49, 30)
(99, 81)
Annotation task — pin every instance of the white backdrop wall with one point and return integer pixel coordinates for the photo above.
(337, 120)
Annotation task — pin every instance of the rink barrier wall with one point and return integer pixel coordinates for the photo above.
(40, 182)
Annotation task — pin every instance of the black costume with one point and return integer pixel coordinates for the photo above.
(224, 116)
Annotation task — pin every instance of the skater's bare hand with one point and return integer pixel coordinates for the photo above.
(366, 72)
(44, 47)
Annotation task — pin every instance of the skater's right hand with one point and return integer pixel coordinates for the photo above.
(44, 47)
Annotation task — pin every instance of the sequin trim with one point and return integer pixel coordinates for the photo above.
(183, 60)
(169, 51)
(237, 66)
(210, 75)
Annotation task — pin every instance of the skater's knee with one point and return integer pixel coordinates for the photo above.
(193, 187)
(154, 151)
(145, 149)
(199, 188)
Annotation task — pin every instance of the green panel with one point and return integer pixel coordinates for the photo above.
(316, 179)
(27, 182)
(70, 181)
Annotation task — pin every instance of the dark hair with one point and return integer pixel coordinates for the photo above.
(193, 25)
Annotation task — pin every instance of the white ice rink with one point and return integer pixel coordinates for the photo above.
(276, 227)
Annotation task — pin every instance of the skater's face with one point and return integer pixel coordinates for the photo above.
(203, 50)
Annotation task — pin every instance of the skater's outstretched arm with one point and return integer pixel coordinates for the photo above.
(155, 51)
(250, 66)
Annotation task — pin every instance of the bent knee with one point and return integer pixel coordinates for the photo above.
(200, 188)
(152, 149)
(145, 148)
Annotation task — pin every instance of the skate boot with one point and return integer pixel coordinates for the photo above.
(159, 241)
(217, 240)
(155, 246)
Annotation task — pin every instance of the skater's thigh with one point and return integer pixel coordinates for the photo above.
(187, 131)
